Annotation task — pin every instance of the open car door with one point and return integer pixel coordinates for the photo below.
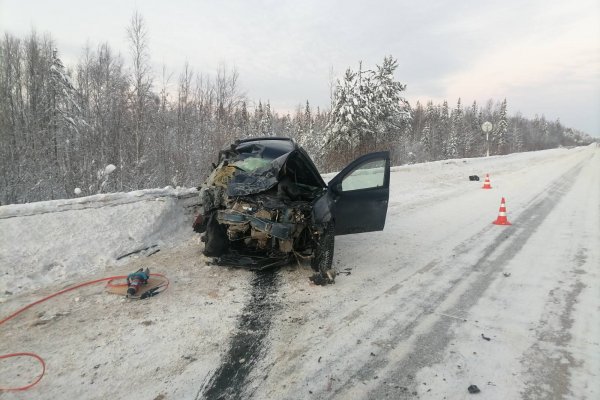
(361, 192)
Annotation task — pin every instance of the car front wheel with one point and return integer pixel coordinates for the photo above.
(215, 237)
(323, 257)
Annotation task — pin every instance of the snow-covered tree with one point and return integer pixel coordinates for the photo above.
(455, 144)
(266, 121)
(306, 136)
(472, 131)
(242, 121)
(349, 114)
(428, 133)
(65, 122)
(368, 108)
(444, 126)
(501, 131)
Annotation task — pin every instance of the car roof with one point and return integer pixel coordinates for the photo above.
(274, 146)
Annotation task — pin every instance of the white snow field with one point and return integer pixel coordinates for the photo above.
(409, 316)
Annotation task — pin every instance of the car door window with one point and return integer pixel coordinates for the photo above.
(366, 176)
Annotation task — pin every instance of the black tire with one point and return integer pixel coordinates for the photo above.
(323, 258)
(216, 241)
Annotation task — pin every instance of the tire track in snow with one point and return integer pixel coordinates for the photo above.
(247, 344)
(550, 374)
(550, 361)
(426, 348)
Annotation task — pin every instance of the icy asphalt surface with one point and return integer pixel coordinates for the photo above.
(409, 317)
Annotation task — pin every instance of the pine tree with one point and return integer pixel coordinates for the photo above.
(288, 126)
(391, 109)
(428, 133)
(501, 131)
(472, 131)
(266, 121)
(242, 121)
(256, 120)
(308, 120)
(518, 139)
(452, 144)
(306, 135)
(368, 107)
(348, 114)
(426, 140)
(457, 136)
(444, 128)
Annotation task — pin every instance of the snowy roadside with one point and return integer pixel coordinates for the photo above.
(67, 240)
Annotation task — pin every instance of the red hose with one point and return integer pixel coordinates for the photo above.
(11, 316)
(19, 311)
(39, 378)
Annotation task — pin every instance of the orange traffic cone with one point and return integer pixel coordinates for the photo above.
(502, 220)
(486, 183)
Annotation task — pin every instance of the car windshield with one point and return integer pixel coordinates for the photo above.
(251, 163)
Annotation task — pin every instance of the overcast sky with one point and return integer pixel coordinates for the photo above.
(543, 56)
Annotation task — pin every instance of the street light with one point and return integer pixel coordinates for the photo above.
(487, 128)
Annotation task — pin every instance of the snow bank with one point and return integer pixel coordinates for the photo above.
(58, 240)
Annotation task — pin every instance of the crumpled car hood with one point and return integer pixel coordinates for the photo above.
(244, 183)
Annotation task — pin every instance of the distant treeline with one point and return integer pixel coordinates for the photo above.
(61, 126)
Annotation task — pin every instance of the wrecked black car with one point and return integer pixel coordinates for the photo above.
(265, 204)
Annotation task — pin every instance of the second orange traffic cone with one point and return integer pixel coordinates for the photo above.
(486, 183)
(502, 220)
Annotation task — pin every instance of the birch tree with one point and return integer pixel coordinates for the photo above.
(141, 80)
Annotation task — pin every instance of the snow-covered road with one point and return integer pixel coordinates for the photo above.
(407, 318)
